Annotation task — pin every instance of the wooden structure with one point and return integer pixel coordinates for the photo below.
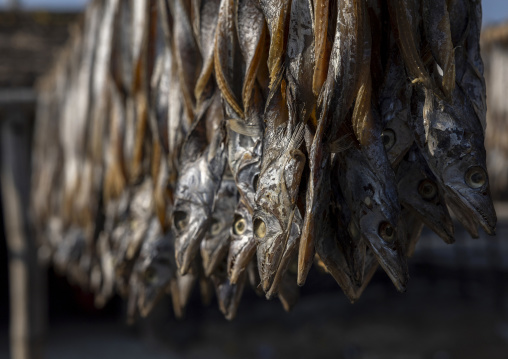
(27, 42)
(494, 45)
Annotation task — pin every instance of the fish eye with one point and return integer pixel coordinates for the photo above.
(239, 226)
(215, 227)
(476, 177)
(297, 155)
(386, 231)
(150, 275)
(259, 228)
(180, 220)
(388, 137)
(427, 189)
(255, 182)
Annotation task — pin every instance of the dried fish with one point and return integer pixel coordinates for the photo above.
(200, 177)
(219, 142)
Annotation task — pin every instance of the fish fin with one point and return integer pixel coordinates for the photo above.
(244, 128)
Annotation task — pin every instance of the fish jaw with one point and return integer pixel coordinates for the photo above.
(189, 237)
(229, 295)
(213, 250)
(436, 217)
(430, 206)
(276, 249)
(390, 255)
(476, 203)
(243, 244)
(154, 270)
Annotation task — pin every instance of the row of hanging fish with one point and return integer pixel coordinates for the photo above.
(225, 143)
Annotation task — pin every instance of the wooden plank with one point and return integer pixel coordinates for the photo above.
(27, 278)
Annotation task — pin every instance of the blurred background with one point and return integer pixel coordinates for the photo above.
(456, 305)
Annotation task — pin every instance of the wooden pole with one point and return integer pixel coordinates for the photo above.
(27, 277)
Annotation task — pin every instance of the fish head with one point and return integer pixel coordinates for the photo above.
(228, 294)
(270, 237)
(455, 144)
(247, 178)
(215, 244)
(397, 136)
(467, 190)
(154, 269)
(377, 218)
(71, 249)
(190, 223)
(387, 243)
(277, 222)
(420, 193)
(243, 245)
(194, 198)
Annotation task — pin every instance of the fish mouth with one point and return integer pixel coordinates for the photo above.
(211, 261)
(229, 295)
(239, 259)
(274, 267)
(371, 266)
(476, 207)
(148, 299)
(438, 219)
(393, 261)
(188, 241)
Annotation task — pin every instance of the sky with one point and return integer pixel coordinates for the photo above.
(494, 11)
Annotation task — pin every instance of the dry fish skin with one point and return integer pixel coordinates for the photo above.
(419, 192)
(242, 247)
(245, 135)
(187, 55)
(299, 60)
(277, 221)
(298, 64)
(244, 157)
(228, 294)
(251, 30)
(469, 65)
(128, 236)
(331, 254)
(154, 268)
(288, 292)
(436, 23)
(215, 244)
(405, 21)
(395, 108)
(321, 44)
(375, 216)
(227, 60)
(335, 100)
(412, 227)
(200, 177)
(205, 23)
(347, 233)
(455, 153)
(276, 13)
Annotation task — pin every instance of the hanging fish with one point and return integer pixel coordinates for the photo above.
(202, 167)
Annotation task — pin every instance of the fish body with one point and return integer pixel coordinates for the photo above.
(374, 216)
(277, 221)
(153, 270)
(456, 155)
(202, 167)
